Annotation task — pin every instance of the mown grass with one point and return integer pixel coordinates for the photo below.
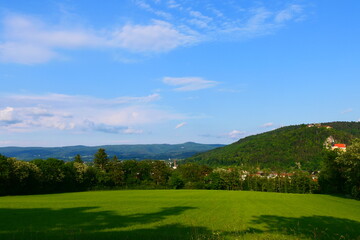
(178, 214)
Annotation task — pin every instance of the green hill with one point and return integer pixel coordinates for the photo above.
(139, 151)
(283, 147)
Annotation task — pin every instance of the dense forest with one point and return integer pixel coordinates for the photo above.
(283, 148)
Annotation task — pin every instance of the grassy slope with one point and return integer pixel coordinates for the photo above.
(178, 214)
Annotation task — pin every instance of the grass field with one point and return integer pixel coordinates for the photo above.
(178, 214)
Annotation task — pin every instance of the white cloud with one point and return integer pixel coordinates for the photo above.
(189, 83)
(82, 113)
(235, 134)
(138, 115)
(27, 40)
(199, 19)
(180, 125)
(25, 118)
(7, 116)
(157, 37)
(115, 129)
(173, 24)
(288, 14)
(133, 131)
(25, 53)
(229, 20)
(147, 7)
(82, 100)
(349, 110)
(29, 30)
(267, 125)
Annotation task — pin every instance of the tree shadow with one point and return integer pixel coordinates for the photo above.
(90, 223)
(313, 227)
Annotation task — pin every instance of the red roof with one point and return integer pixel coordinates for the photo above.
(340, 145)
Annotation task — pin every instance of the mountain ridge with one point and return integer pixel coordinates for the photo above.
(123, 151)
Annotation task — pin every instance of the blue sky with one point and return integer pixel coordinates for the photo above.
(170, 71)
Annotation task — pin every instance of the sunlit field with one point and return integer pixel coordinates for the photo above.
(178, 214)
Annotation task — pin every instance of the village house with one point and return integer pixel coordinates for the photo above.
(340, 146)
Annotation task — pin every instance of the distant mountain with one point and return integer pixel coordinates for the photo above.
(283, 147)
(139, 152)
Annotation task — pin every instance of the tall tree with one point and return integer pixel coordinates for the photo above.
(331, 179)
(78, 159)
(101, 159)
(350, 168)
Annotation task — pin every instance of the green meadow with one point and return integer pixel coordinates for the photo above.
(178, 214)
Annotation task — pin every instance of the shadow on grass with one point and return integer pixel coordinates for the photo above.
(311, 227)
(90, 223)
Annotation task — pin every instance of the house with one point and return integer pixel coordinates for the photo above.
(339, 146)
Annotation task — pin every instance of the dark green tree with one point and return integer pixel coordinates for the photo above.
(5, 174)
(52, 174)
(175, 181)
(331, 179)
(101, 159)
(160, 173)
(78, 159)
(349, 163)
(215, 181)
(131, 173)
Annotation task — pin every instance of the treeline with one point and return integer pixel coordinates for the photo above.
(281, 148)
(340, 173)
(54, 175)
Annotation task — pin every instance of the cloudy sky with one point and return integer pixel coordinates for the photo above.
(86, 72)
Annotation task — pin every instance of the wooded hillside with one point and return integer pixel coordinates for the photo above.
(283, 147)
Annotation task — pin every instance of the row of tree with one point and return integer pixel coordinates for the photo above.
(54, 175)
(340, 174)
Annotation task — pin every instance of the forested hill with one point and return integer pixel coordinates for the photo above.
(139, 152)
(283, 147)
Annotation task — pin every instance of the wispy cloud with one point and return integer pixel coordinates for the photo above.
(27, 40)
(142, 4)
(349, 110)
(227, 20)
(106, 128)
(74, 100)
(171, 24)
(289, 13)
(159, 36)
(189, 83)
(180, 125)
(126, 115)
(267, 125)
(235, 134)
